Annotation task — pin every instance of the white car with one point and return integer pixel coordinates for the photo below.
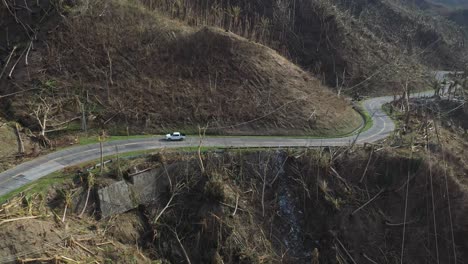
(176, 136)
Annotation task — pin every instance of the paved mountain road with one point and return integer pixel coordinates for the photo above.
(32, 170)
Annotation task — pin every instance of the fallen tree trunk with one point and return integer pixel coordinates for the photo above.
(8, 61)
(20, 140)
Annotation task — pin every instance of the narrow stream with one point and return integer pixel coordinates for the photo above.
(292, 238)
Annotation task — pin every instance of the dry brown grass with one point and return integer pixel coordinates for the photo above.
(8, 142)
(340, 41)
(139, 67)
(229, 213)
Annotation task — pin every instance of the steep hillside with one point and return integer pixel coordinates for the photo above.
(346, 43)
(375, 205)
(117, 63)
(455, 11)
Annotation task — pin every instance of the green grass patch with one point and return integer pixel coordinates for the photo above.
(396, 116)
(41, 185)
(368, 122)
(94, 139)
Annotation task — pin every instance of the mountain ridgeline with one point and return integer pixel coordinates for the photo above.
(452, 3)
(343, 42)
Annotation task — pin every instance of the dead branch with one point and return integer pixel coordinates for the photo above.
(175, 190)
(367, 165)
(15, 93)
(18, 20)
(232, 206)
(369, 259)
(16, 63)
(74, 242)
(337, 175)
(368, 202)
(263, 189)
(399, 224)
(279, 171)
(26, 62)
(181, 246)
(35, 260)
(55, 129)
(17, 219)
(54, 259)
(9, 10)
(345, 250)
(168, 204)
(90, 179)
(237, 205)
(105, 243)
(112, 117)
(68, 259)
(68, 202)
(20, 140)
(110, 68)
(263, 178)
(65, 122)
(8, 61)
(202, 136)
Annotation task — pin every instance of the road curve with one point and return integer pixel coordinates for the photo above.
(32, 170)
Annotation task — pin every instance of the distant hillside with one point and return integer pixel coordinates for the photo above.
(459, 16)
(453, 10)
(342, 42)
(125, 66)
(426, 5)
(455, 3)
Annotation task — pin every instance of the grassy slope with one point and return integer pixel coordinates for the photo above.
(140, 69)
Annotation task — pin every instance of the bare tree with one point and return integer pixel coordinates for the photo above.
(102, 138)
(41, 113)
(45, 110)
(20, 140)
(201, 134)
(405, 78)
(174, 189)
(90, 180)
(68, 201)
